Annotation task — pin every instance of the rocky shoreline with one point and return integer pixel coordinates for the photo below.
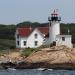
(24, 65)
(50, 58)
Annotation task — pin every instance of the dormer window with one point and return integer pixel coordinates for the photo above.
(35, 35)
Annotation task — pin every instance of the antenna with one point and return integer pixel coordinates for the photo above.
(68, 31)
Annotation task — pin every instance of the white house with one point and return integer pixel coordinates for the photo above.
(28, 37)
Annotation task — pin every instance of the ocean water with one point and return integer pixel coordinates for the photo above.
(37, 72)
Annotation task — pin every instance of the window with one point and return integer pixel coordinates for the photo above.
(24, 43)
(35, 35)
(17, 35)
(63, 38)
(36, 43)
(17, 42)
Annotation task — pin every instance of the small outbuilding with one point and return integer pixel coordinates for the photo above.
(64, 40)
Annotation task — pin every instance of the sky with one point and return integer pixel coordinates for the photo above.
(16, 11)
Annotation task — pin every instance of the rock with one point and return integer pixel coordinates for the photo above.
(56, 55)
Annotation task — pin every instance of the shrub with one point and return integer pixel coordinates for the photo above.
(27, 51)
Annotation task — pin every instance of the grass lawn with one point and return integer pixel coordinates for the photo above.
(27, 51)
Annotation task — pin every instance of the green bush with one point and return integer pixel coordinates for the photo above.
(27, 51)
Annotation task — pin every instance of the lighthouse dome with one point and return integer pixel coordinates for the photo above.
(54, 16)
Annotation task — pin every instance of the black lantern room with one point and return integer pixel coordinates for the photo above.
(54, 17)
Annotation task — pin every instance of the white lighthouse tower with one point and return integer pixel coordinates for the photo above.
(54, 26)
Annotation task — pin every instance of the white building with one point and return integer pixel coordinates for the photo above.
(54, 32)
(28, 37)
(64, 40)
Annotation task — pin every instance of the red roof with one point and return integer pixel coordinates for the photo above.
(44, 30)
(24, 31)
(27, 31)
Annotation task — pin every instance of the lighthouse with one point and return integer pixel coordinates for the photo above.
(54, 26)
